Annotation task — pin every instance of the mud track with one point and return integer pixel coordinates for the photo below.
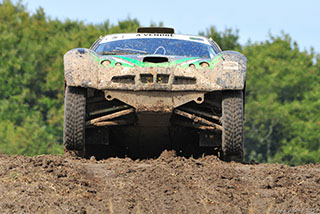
(167, 184)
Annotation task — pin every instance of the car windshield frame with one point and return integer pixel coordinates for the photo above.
(156, 46)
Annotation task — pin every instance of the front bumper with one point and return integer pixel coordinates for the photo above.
(82, 70)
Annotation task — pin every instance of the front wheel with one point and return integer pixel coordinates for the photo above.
(74, 120)
(232, 126)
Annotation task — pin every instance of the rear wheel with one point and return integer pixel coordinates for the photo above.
(74, 120)
(232, 126)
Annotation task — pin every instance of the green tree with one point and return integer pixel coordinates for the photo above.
(282, 109)
(227, 40)
(31, 69)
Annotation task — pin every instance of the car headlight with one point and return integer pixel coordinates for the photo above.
(204, 64)
(105, 62)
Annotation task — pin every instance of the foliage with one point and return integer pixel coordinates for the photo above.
(227, 40)
(282, 99)
(31, 69)
(283, 106)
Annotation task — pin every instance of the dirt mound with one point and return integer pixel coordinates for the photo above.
(168, 184)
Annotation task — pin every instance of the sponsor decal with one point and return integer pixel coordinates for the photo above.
(155, 34)
(196, 38)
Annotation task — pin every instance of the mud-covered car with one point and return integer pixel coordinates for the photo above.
(154, 87)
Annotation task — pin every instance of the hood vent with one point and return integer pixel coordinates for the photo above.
(155, 59)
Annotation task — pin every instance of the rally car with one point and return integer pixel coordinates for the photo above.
(152, 87)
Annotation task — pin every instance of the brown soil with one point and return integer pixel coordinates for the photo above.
(168, 184)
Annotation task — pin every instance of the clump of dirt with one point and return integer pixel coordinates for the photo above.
(168, 184)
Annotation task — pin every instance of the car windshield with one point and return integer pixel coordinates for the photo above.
(156, 46)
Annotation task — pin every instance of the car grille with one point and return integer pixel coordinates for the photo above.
(126, 79)
(181, 80)
(158, 79)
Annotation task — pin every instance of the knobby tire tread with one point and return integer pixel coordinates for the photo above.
(232, 123)
(74, 118)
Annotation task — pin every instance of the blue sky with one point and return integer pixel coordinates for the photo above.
(255, 19)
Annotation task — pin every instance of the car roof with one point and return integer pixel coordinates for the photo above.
(124, 36)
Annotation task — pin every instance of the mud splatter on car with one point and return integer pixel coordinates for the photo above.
(155, 86)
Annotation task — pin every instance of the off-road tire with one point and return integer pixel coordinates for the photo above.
(232, 126)
(74, 120)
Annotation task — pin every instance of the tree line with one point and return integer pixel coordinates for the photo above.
(282, 99)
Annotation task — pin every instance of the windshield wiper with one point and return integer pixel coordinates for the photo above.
(131, 50)
(123, 51)
(114, 52)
